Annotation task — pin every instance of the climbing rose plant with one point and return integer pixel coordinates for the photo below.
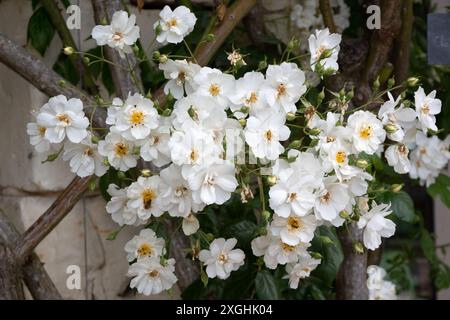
(310, 159)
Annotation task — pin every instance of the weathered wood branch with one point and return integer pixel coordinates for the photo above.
(67, 199)
(327, 15)
(87, 80)
(351, 282)
(403, 45)
(10, 275)
(43, 78)
(234, 14)
(34, 275)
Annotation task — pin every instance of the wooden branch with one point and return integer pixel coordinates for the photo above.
(403, 47)
(327, 15)
(351, 283)
(10, 275)
(87, 80)
(25, 245)
(234, 14)
(381, 45)
(123, 82)
(43, 78)
(35, 276)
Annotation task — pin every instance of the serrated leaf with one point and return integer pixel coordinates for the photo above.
(428, 247)
(243, 231)
(40, 30)
(266, 286)
(402, 205)
(331, 252)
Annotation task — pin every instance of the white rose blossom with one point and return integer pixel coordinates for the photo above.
(61, 117)
(221, 258)
(121, 34)
(173, 26)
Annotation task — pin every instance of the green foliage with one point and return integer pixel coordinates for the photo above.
(40, 30)
(266, 286)
(331, 252)
(441, 189)
(402, 205)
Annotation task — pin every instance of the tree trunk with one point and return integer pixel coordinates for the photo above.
(351, 282)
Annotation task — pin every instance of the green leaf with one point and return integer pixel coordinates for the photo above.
(203, 277)
(428, 247)
(441, 188)
(64, 67)
(40, 30)
(52, 157)
(331, 252)
(401, 205)
(243, 231)
(266, 286)
(107, 79)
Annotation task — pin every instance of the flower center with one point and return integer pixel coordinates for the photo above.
(42, 131)
(63, 118)
(423, 151)
(268, 135)
(319, 52)
(137, 117)
(153, 274)
(325, 198)
(292, 197)
(145, 250)
(341, 157)
(180, 191)
(118, 36)
(330, 139)
(223, 258)
(121, 149)
(281, 90)
(88, 152)
(173, 22)
(365, 132)
(425, 109)
(294, 224)
(147, 197)
(252, 99)
(403, 150)
(182, 76)
(214, 90)
(193, 156)
(288, 248)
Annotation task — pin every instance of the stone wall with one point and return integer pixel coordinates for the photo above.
(28, 187)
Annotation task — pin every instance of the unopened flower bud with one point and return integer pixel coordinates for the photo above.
(358, 247)
(376, 84)
(95, 139)
(412, 81)
(314, 131)
(350, 94)
(266, 214)
(146, 173)
(68, 51)
(390, 128)
(86, 60)
(209, 236)
(344, 214)
(326, 240)
(210, 37)
(262, 65)
(242, 122)
(295, 144)
(158, 29)
(396, 188)
(121, 175)
(321, 96)
(362, 163)
(272, 180)
(136, 49)
(391, 83)
(316, 255)
(290, 116)
(61, 83)
(245, 109)
(167, 112)
(163, 58)
(294, 43)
